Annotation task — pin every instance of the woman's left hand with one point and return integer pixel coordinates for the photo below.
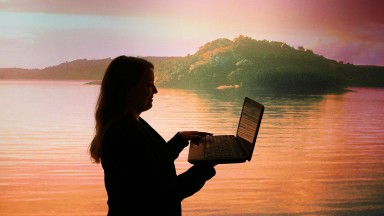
(193, 135)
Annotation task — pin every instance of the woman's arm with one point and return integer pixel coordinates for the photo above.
(194, 179)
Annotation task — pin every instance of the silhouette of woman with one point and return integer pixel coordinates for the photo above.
(139, 170)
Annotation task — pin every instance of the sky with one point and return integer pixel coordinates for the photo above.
(43, 33)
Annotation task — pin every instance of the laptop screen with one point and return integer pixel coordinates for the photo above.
(249, 124)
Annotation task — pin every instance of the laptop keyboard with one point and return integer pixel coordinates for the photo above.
(219, 149)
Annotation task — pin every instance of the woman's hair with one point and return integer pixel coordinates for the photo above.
(122, 74)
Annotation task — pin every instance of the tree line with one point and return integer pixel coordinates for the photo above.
(250, 63)
(242, 62)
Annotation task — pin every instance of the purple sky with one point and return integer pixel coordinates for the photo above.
(40, 33)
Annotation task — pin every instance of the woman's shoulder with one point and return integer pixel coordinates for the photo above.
(123, 125)
(120, 133)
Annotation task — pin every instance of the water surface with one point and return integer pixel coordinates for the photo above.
(315, 154)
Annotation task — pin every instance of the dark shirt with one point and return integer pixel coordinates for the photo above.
(139, 170)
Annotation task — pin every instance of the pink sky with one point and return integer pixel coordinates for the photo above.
(40, 33)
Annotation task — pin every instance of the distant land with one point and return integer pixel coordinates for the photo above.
(222, 63)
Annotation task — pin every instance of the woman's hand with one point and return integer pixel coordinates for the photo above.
(193, 135)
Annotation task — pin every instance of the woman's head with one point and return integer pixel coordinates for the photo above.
(121, 84)
(127, 88)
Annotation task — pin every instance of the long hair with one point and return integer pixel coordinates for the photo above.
(122, 74)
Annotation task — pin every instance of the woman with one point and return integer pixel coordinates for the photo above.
(139, 170)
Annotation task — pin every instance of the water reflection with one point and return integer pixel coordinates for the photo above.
(315, 154)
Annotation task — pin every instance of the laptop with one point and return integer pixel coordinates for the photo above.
(221, 149)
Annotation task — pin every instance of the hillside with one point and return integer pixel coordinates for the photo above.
(250, 63)
(242, 62)
(81, 69)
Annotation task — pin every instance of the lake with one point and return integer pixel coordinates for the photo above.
(315, 154)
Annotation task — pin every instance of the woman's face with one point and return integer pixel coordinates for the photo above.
(140, 97)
